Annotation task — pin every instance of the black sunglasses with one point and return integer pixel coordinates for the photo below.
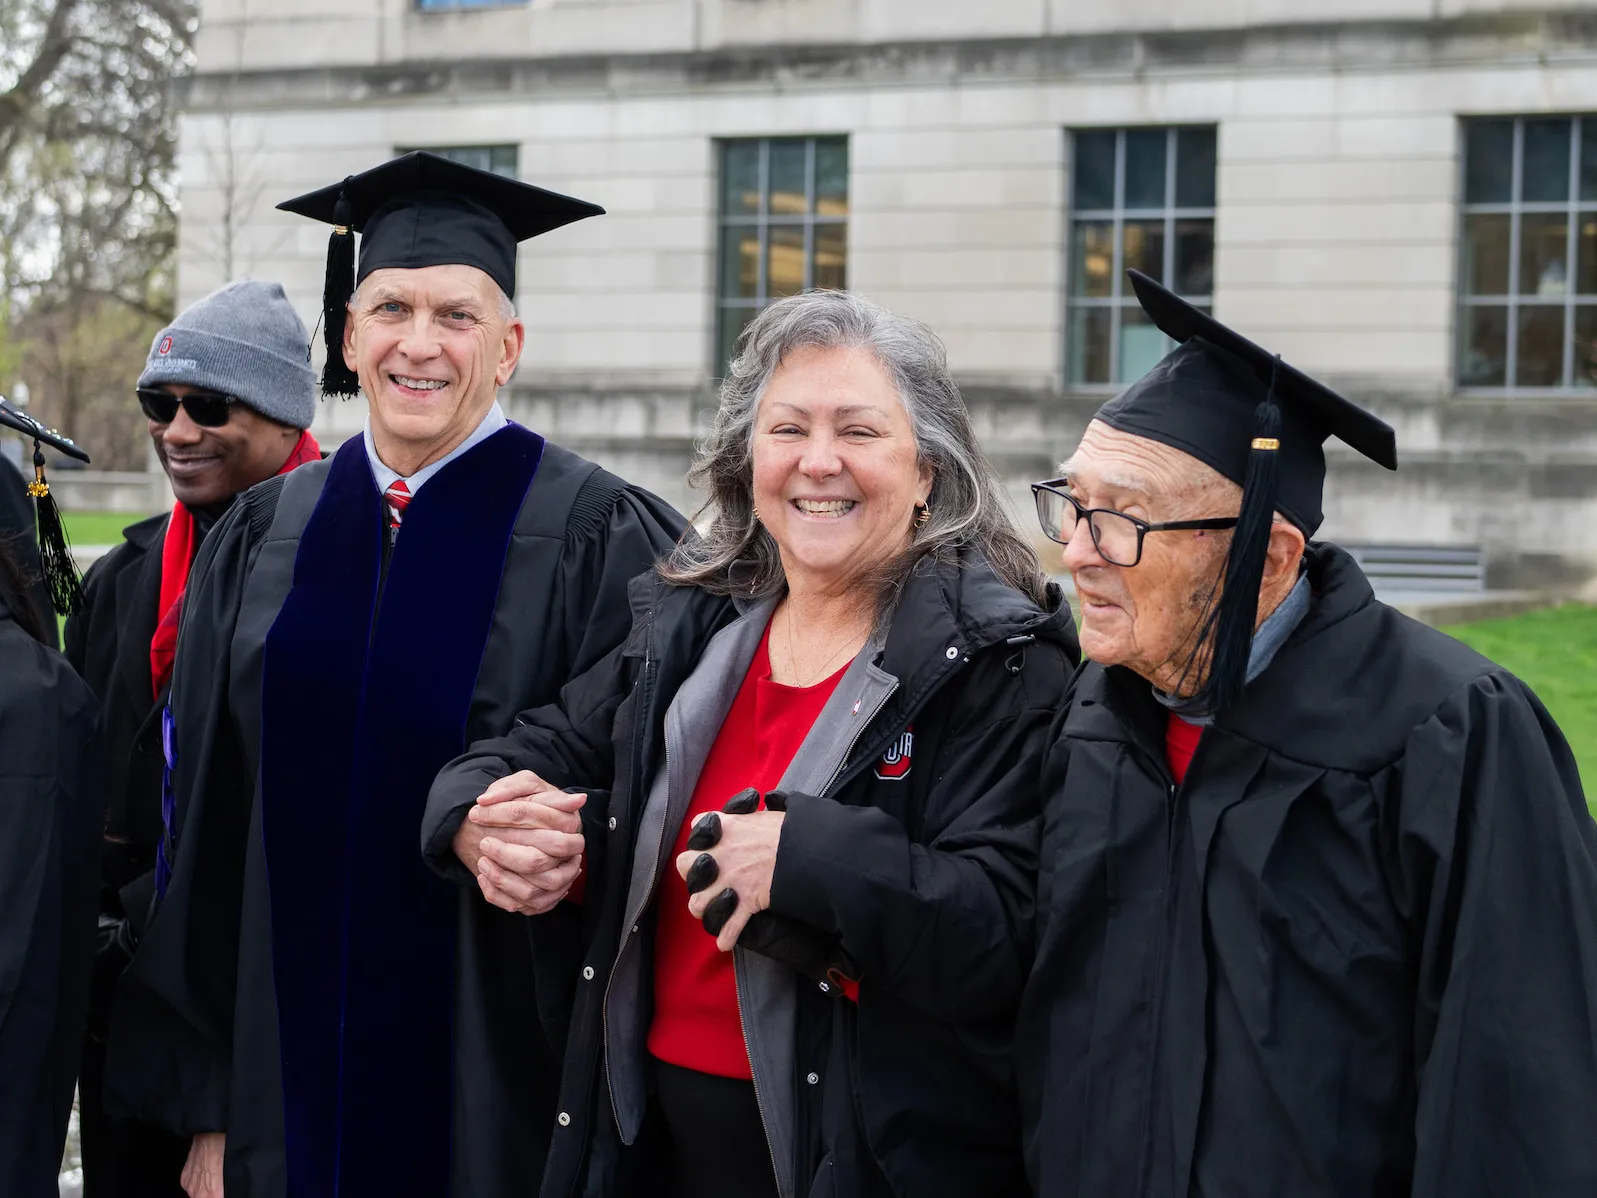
(1116, 536)
(208, 409)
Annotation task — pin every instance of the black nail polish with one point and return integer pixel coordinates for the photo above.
(706, 832)
(745, 802)
(702, 872)
(719, 911)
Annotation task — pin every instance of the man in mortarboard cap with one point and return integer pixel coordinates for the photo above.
(1318, 883)
(319, 1011)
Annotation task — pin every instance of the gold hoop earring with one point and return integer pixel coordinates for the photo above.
(756, 514)
(923, 513)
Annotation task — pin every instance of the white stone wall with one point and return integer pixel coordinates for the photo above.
(1335, 236)
(1336, 227)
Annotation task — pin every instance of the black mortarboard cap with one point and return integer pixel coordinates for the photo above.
(55, 551)
(422, 209)
(1259, 422)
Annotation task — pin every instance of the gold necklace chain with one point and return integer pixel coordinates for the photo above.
(792, 657)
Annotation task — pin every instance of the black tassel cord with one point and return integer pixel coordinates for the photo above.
(55, 551)
(1250, 545)
(337, 288)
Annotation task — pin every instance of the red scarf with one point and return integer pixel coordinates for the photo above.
(177, 557)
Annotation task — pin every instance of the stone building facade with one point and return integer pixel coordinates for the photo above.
(1400, 196)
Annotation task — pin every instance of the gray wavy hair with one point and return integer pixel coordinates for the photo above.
(968, 510)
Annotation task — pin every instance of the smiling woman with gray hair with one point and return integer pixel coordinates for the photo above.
(827, 719)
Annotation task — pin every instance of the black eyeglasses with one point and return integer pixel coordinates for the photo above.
(1116, 536)
(208, 409)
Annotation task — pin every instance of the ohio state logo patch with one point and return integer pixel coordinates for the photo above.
(166, 345)
(895, 762)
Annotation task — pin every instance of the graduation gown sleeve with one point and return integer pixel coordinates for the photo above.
(635, 531)
(171, 1044)
(1499, 852)
(49, 857)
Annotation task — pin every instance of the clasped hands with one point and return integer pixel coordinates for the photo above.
(523, 841)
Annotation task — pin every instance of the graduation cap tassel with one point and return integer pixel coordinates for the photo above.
(337, 288)
(55, 551)
(1250, 543)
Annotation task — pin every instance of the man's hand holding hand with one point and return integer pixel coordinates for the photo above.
(524, 842)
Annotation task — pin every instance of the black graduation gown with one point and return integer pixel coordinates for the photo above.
(108, 643)
(49, 856)
(322, 679)
(1354, 954)
(19, 527)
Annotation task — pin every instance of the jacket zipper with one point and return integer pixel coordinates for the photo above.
(737, 973)
(743, 1028)
(859, 731)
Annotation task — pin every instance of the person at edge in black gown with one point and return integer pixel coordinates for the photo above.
(19, 527)
(864, 638)
(1318, 897)
(50, 789)
(318, 1010)
(229, 395)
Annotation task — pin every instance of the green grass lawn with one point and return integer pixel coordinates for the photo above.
(1555, 653)
(98, 528)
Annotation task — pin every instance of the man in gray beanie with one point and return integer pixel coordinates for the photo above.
(228, 392)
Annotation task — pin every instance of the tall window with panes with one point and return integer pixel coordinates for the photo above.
(784, 226)
(1527, 314)
(1141, 198)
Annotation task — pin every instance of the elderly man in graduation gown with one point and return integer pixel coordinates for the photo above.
(317, 1009)
(1317, 912)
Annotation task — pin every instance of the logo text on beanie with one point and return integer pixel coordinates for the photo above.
(166, 345)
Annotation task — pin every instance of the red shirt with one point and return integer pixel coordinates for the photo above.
(1180, 743)
(696, 1022)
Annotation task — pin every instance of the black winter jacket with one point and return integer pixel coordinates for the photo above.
(915, 865)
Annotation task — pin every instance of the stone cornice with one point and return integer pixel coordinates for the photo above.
(1348, 46)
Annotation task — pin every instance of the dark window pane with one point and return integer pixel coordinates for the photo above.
(831, 256)
(1488, 162)
(1588, 159)
(1541, 347)
(1484, 360)
(1145, 163)
(733, 322)
(1195, 168)
(1094, 165)
(740, 178)
(1092, 256)
(740, 262)
(1586, 345)
(785, 272)
(1545, 174)
(1586, 248)
(1486, 254)
(1142, 344)
(1089, 345)
(502, 160)
(1543, 250)
(787, 178)
(1144, 248)
(831, 177)
(1194, 257)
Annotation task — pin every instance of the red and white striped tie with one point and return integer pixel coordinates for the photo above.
(398, 497)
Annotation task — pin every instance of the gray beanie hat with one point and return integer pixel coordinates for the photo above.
(244, 340)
